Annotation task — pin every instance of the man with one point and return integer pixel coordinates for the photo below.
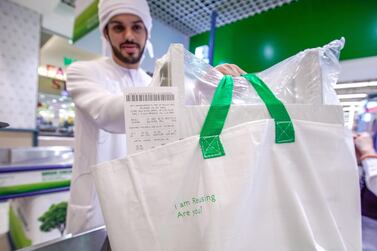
(367, 159)
(96, 88)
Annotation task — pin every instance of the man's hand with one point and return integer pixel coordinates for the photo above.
(230, 69)
(363, 145)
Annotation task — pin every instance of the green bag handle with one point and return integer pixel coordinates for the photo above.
(210, 134)
(213, 125)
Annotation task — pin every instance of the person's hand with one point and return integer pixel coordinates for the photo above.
(363, 145)
(230, 69)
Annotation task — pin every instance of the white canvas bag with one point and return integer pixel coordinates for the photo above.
(261, 195)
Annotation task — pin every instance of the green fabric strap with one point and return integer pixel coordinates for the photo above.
(284, 130)
(209, 136)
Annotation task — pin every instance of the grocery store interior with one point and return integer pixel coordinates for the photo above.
(40, 40)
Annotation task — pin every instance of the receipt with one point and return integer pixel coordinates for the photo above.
(150, 117)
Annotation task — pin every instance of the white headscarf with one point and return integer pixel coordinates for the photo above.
(107, 9)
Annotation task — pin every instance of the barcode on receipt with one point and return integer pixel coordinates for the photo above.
(141, 97)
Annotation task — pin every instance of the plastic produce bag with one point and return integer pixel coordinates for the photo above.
(305, 78)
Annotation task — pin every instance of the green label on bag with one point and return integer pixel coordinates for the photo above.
(211, 146)
(194, 206)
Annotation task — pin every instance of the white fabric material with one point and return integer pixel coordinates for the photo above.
(260, 196)
(370, 170)
(110, 8)
(191, 123)
(96, 88)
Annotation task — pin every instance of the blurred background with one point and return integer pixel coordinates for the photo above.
(40, 39)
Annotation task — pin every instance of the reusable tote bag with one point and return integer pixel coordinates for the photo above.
(270, 184)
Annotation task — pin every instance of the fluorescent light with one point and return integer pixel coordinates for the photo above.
(351, 116)
(350, 103)
(356, 95)
(355, 85)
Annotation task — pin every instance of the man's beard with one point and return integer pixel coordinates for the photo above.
(131, 59)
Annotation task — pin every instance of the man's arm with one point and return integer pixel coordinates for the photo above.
(367, 156)
(106, 109)
(103, 107)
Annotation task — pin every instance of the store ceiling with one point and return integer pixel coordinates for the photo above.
(57, 25)
(194, 16)
(56, 48)
(187, 16)
(57, 15)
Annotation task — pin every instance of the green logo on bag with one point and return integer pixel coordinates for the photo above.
(194, 206)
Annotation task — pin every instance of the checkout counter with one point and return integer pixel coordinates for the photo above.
(31, 180)
(26, 173)
(94, 240)
(33, 171)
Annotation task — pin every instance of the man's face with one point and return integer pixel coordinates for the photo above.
(127, 35)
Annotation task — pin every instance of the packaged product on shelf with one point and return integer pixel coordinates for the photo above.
(37, 219)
